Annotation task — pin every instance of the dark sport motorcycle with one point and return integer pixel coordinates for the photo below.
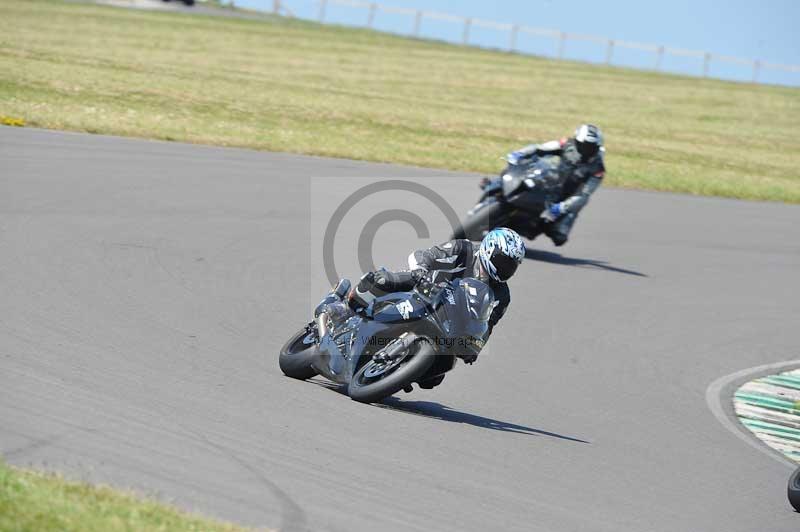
(399, 339)
(525, 189)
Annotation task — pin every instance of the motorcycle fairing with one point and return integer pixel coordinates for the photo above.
(469, 328)
(399, 307)
(531, 187)
(341, 352)
(368, 337)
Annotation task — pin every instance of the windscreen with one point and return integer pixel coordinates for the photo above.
(479, 299)
(545, 172)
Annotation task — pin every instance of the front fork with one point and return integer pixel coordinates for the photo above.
(333, 362)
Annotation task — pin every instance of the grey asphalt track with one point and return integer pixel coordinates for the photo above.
(146, 288)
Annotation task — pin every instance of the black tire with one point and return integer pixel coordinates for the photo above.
(490, 215)
(296, 356)
(189, 3)
(409, 370)
(793, 490)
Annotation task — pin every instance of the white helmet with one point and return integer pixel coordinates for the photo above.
(501, 251)
(588, 140)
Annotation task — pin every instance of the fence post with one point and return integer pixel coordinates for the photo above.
(512, 44)
(756, 68)
(417, 23)
(706, 64)
(467, 24)
(609, 51)
(562, 39)
(322, 5)
(371, 17)
(659, 57)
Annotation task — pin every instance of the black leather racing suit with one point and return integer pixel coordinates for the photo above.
(458, 259)
(582, 179)
(451, 260)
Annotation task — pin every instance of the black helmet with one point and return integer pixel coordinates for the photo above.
(588, 140)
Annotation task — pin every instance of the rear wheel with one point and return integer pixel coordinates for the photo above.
(378, 379)
(297, 354)
(794, 490)
(488, 216)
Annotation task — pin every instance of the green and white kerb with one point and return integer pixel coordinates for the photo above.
(770, 408)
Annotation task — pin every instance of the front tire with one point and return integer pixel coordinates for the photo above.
(366, 389)
(793, 490)
(298, 353)
(475, 226)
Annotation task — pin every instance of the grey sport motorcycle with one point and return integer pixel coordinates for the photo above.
(399, 339)
(524, 190)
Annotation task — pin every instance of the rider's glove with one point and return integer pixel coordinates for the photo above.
(360, 295)
(553, 212)
(384, 278)
(366, 282)
(514, 157)
(484, 183)
(386, 281)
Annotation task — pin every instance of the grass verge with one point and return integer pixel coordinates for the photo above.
(31, 501)
(294, 86)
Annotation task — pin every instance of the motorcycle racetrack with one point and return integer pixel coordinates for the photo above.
(148, 286)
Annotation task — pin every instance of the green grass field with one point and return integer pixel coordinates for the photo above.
(38, 502)
(295, 86)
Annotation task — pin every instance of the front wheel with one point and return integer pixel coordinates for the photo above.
(297, 354)
(794, 490)
(483, 218)
(378, 379)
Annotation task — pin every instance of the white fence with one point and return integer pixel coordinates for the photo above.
(559, 38)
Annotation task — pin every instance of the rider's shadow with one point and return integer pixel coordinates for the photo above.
(556, 258)
(439, 411)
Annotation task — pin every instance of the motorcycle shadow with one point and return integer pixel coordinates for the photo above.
(556, 258)
(439, 411)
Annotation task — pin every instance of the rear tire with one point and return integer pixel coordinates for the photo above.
(410, 370)
(793, 490)
(297, 354)
(487, 218)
